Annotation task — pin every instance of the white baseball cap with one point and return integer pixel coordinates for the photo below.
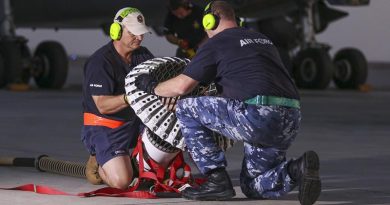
(132, 19)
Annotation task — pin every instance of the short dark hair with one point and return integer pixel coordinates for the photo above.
(175, 4)
(223, 9)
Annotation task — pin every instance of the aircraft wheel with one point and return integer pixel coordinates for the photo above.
(2, 74)
(12, 62)
(52, 65)
(350, 68)
(313, 68)
(26, 55)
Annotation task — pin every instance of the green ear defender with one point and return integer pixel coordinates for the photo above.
(210, 21)
(115, 31)
(116, 27)
(240, 22)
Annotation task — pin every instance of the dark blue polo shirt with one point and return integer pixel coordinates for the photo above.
(243, 64)
(104, 74)
(190, 28)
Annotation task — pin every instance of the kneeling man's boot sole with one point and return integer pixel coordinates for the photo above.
(310, 185)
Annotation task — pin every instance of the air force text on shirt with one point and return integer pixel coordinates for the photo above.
(95, 85)
(247, 41)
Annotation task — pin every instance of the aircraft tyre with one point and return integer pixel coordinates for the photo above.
(350, 68)
(11, 62)
(313, 68)
(53, 65)
(2, 74)
(26, 56)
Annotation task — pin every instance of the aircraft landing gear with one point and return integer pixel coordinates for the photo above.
(313, 68)
(350, 68)
(49, 66)
(2, 76)
(11, 64)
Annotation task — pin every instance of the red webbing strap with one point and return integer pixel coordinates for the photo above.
(172, 186)
(157, 173)
(107, 191)
(113, 192)
(177, 164)
(39, 189)
(157, 178)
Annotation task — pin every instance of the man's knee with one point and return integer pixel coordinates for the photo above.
(122, 181)
(184, 109)
(118, 172)
(179, 108)
(182, 104)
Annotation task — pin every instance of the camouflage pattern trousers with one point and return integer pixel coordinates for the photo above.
(267, 133)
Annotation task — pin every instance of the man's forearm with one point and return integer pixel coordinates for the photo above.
(110, 104)
(180, 85)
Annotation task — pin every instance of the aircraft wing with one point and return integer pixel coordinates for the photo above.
(80, 14)
(262, 9)
(349, 2)
(99, 13)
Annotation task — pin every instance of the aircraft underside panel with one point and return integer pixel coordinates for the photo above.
(291, 25)
(80, 14)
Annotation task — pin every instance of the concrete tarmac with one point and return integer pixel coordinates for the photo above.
(350, 130)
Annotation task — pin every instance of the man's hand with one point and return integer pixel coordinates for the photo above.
(146, 83)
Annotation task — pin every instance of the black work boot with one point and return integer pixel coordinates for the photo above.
(217, 187)
(305, 171)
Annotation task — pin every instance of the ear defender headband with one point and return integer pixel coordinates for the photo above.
(116, 27)
(210, 21)
(240, 22)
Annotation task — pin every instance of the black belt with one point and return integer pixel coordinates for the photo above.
(273, 100)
